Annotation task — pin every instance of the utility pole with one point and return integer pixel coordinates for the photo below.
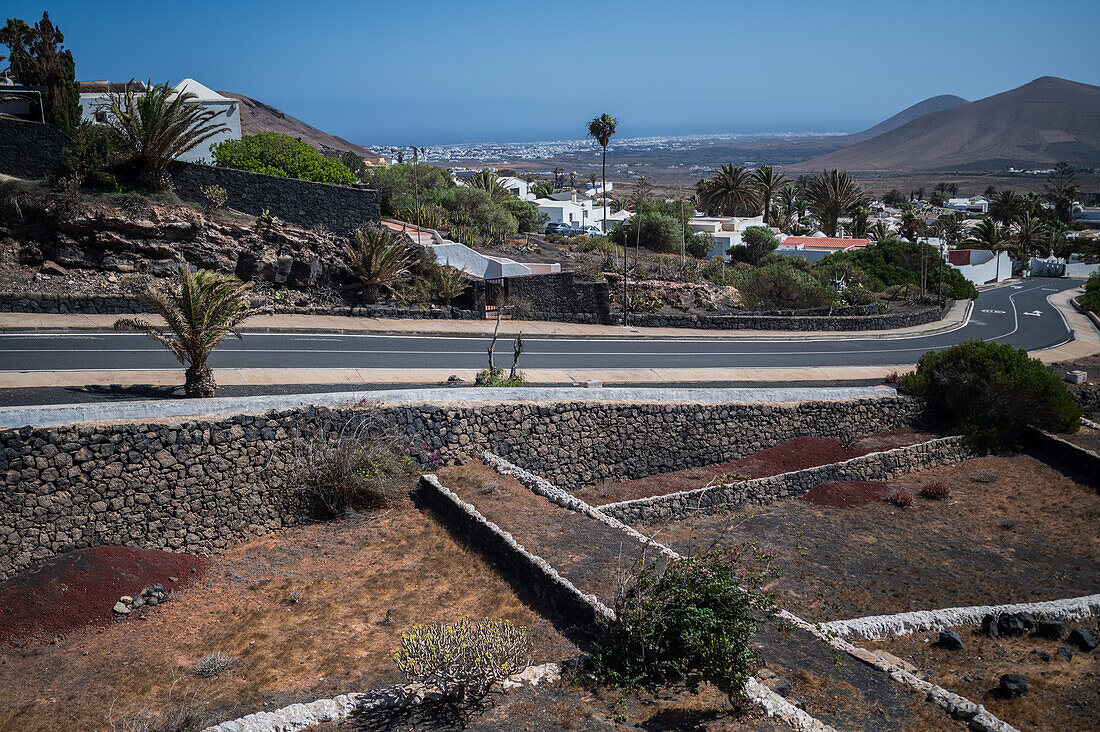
(416, 188)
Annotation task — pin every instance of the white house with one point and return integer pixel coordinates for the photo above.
(726, 230)
(518, 187)
(569, 207)
(972, 205)
(95, 102)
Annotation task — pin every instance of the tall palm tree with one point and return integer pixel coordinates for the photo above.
(601, 129)
(831, 195)
(767, 182)
(378, 260)
(730, 190)
(950, 228)
(207, 307)
(160, 125)
(911, 227)
(1029, 233)
(860, 215)
(1005, 207)
(488, 181)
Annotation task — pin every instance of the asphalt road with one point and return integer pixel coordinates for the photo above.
(1018, 314)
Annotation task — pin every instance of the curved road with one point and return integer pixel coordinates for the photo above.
(1018, 314)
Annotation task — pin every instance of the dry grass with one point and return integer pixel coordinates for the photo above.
(1063, 695)
(359, 582)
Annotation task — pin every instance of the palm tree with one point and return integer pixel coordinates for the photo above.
(542, 190)
(378, 259)
(1029, 233)
(207, 307)
(767, 182)
(988, 234)
(449, 283)
(601, 129)
(831, 195)
(488, 181)
(160, 125)
(860, 214)
(950, 228)
(879, 231)
(730, 189)
(911, 227)
(1005, 207)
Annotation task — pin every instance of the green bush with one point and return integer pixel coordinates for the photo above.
(282, 155)
(95, 156)
(991, 391)
(757, 243)
(782, 286)
(658, 232)
(691, 621)
(891, 262)
(1091, 299)
(496, 377)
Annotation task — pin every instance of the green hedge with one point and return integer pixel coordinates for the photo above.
(282, 155)
(892, 262)
(1091, 299)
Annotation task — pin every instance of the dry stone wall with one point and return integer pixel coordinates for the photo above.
(200, 485)
(876, 466)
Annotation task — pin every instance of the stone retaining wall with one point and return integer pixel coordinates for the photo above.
(1065, 455)
(30, 149)
(875, 466)
(200, 485)
(342, 209)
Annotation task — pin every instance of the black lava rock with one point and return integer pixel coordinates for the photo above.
(1011, 624)
(950, 640)
(1084, 639)
(989, 626)
(1027, 619)
(1042, 656)
(1065, 654)
(1012, 685)
(1050, 629)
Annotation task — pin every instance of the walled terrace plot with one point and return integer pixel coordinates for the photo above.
(591, 552)
(1013, 530)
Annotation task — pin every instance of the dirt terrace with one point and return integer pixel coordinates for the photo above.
(594, 557)
(362, 581)
(797, 454)
(1063, 695)
(1027, 534)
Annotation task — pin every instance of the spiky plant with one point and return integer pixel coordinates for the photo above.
(831, 195)
(880, 231)
(768, 182)
(1029, 233)
(488, 181)
(160, 125)
(730, 189)
(378, 259)
(449, 283)
(542, 190)
(207, 307)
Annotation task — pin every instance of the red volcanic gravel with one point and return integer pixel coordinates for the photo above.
(846, 495)
(80, 587)
(796, 454)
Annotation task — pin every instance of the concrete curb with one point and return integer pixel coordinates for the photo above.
(160, 410)
(886, 626)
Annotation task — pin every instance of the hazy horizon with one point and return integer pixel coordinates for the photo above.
(436, 73)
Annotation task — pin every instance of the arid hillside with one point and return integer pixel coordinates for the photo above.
(1035, 125)
(932, 104)
(259, 117)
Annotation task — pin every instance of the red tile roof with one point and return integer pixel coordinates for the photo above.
(826, 242)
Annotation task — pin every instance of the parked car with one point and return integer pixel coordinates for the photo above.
(557, 227)
(591, 230)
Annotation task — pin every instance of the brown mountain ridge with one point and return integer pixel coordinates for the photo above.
(1032, 126)
(259, 117)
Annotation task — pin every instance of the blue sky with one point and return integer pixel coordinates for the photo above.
(409, 72)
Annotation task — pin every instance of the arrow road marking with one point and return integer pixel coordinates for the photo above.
(1035, 312)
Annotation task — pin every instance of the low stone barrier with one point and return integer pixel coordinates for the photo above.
(875, 466)
(1065, 455)
(554, 591)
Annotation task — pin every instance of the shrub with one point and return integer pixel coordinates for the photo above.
(658, 232)
(782, 286)
(691, 621)
(496, 377)
(901, 498)
(214, 664)
(892, 262)
(936, 491)
(282, 155)
(464, 659)
(991, 391)
(757, 243)
(1091, 299)
(95, 156)
(214, 197)
(367, 465)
